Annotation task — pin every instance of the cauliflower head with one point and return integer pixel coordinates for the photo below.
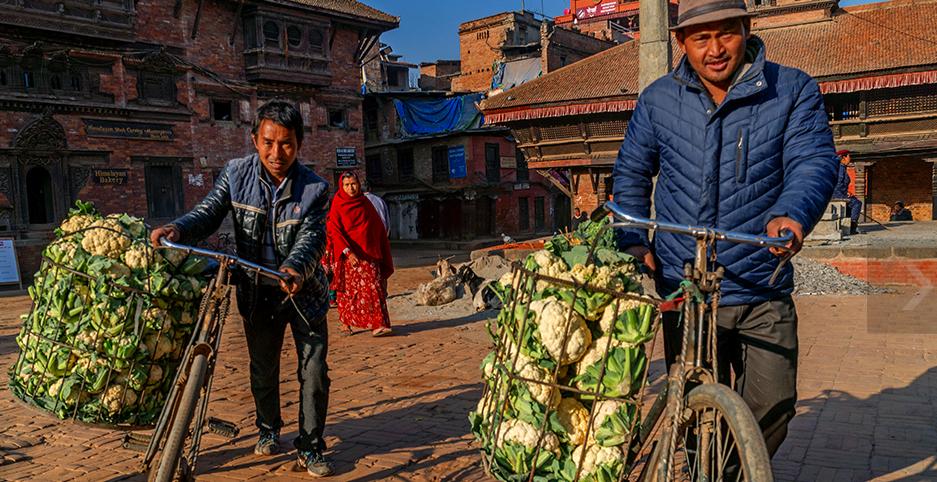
(608, 316)
(117, 397)
(595, 353)
(139, 256)
(574, 418)
(596, 458)
(525, 434)
(544, 394)
(76, 223)
(558, 322)
(106, 237)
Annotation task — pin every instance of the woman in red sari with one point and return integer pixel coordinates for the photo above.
(361, 260)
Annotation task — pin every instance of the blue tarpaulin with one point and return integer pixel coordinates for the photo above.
(421, 117)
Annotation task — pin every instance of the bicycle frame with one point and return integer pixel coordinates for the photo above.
(205, 340)
(697, 361)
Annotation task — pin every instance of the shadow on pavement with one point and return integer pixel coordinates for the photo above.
(408, 437)
(421, 326)
(891, 434)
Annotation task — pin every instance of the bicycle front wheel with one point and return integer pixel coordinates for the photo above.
(719, 440)
(179, 430)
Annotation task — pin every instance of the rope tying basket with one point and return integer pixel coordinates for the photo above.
(110, 320)
(563, 387)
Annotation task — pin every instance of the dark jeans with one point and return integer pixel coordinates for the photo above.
(759, 344)
(855, 208)
(264, 331)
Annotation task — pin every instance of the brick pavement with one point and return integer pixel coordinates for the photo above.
(867, 405)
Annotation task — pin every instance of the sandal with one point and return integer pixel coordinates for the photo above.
(383, 331)
(346, 330)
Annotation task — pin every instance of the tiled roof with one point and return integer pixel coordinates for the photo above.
(864, 40)
(351, 7)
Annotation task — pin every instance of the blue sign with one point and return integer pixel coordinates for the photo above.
(457, 162)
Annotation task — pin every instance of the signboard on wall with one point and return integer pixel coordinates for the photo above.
(508, 162)
(346, 156)
(127, 130)
(457, 168)
(110, 176)
(9, 269)
(596, 10)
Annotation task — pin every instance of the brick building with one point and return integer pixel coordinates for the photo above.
(466, 182)
(498, 41)
(136, 105)
(876, 65)
(615, 20)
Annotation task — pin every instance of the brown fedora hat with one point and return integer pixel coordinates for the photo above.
(696, 12)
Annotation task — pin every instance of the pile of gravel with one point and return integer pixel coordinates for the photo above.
(816, 278)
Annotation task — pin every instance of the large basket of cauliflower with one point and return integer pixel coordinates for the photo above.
(110, 319)
(564, 384)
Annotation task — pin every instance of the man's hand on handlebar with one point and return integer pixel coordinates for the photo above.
(168, 231)
(294, 283)
(643, 254)
(778, 227)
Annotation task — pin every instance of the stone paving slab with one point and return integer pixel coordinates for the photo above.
(867, 407)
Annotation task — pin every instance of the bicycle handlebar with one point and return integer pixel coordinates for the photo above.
(699, 232)
(261, 270)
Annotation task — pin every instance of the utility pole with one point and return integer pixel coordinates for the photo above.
(654, 54)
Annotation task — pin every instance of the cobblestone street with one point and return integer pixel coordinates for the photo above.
(867, 409)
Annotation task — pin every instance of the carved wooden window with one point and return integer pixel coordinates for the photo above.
(294, 36)
(156, 87)
(271, 34)
(29, 79)
(842, 106)
(905, 100)
(316, 39)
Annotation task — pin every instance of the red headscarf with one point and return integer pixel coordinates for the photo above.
(353, 223)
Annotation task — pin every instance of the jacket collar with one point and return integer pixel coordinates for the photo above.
(748, 83)
(263, 177)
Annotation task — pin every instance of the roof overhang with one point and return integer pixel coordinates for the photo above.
(503, 116)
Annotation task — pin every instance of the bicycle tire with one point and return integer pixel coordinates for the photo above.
(169, 456)
(752, 454)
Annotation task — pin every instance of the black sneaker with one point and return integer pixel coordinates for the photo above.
(315, 463)
(268, 443)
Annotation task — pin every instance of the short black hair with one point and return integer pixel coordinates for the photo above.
(280, 112)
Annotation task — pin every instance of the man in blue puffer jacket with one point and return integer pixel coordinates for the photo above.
(741, 144)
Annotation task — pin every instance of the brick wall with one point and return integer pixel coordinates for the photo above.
(200, 144)
(888, 271)
(479, 48)
(900, 179)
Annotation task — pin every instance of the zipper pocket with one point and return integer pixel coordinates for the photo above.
(741, 156)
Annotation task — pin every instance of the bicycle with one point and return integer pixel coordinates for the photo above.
(696, 429)
(192, 384)
(709, 421)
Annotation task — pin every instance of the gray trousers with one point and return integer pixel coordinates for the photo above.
(264, 332)
(758, 343)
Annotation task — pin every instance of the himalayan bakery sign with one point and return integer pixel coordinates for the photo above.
(596, 10)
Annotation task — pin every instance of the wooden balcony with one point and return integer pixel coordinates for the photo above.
(100, 19)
